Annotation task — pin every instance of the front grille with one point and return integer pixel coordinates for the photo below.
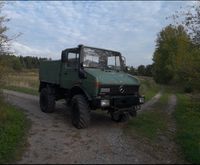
(121, 89)
(124, 102)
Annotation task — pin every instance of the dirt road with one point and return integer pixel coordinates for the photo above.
(53, 139)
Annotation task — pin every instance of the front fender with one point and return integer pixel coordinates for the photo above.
(79, 90)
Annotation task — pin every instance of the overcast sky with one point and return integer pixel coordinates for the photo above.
(49, 27)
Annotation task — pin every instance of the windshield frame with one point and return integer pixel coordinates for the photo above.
(115, 54)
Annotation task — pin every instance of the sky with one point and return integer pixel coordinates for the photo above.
(48, 27)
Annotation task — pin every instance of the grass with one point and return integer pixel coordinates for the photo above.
(148, 124)
(13, 129)
(26, 81)
(148, 87)
(23, 90)
(187, 117)
(152, 122)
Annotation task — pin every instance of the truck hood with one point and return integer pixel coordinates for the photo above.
(112, 77)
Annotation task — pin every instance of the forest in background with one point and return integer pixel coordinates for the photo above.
(17, 63)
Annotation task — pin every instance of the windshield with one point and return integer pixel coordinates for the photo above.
(99, 58)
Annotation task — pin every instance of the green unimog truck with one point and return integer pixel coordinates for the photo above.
(89, 79)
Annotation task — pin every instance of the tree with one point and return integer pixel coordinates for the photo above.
(3, 37)
(188, 69)
(189, 18)
(141, 70)
(132, 70)
(148, 70)
(172, 44)
(3, 41)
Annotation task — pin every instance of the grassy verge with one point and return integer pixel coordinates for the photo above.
(148, 87)
(22, 89)
(187, 117)
(151, 123)
(13, 129)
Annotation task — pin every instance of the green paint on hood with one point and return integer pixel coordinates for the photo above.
(112, 77)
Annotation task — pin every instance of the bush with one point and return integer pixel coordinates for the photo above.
(188, 88)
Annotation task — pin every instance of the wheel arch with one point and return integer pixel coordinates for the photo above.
(79, 90)
(42, 85)
(48, 85)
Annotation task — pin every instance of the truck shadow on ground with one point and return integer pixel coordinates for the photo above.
(98, 117)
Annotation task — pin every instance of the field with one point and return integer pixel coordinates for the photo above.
(25, 81)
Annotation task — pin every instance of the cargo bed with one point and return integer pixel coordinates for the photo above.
(49, 71)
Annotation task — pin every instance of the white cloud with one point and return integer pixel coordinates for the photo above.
(25, 50)
(48, 27)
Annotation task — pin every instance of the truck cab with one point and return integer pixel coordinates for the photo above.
(90, 79)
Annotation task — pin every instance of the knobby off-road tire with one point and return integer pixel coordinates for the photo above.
(47, 100)
(80, 112)
(120, 118)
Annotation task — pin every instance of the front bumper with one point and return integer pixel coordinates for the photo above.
(117, 102)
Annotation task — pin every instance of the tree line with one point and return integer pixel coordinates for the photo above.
(18, 63)
(141, 70)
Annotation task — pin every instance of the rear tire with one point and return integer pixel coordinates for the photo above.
(47, 101)
(80, 112)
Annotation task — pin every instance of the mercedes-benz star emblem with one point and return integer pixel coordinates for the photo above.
(121, 89)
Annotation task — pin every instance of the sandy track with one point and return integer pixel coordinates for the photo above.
(53, 139)
(150, 103)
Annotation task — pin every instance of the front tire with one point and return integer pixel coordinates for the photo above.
(80, 112)
(47, 101)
